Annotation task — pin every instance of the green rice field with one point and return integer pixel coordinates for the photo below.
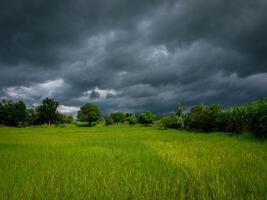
(123, 162)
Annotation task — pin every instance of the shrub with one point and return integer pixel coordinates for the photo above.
(118, 117)
(146, 118)
(12, 113)
(258, 118)
(171, 121)
(203, 118)
(63, 119)
(131, 119)
(109, 120)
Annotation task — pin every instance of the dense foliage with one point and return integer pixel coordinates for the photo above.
(63, 119)
(131, 119)
(12, 113)
(47, 111)
(118, 117)
(251, 117)
(16, 113)
(109, 120)
(171, 121)
(202, 118)
(146, 118)
(89, 113)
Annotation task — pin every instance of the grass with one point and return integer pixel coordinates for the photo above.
(122, 162)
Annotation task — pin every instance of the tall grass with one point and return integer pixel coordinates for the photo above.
(122, 162)
(250, 117)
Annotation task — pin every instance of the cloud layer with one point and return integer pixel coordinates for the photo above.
(133, 55)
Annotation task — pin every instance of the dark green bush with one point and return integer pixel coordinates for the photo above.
(202, 118)
(12, 113)
(109, 120)
(131, 119)
(171, 121)
(258, 118)
(118, 117)
(146, 118)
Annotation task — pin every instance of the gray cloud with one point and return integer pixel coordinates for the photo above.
(133, 55)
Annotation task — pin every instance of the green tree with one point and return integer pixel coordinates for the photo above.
(19, 112)
(31, 118)
(63, 118)
(47, 111)
(118, 117)
(12, 113)
(89, 113)
(146, 118)
(203, 118)
(171, 121)
(2, 113)
(179, 112)
(179, 109)
(109, 120)
(194, 119)
(131, 119)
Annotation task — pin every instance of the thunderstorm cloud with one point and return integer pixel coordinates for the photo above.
(131, 56)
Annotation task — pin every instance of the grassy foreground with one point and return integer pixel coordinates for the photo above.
(122, 162)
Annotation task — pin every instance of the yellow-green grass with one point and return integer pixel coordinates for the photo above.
(123, 162)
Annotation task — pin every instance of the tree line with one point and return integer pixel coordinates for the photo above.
(17, 114)
(251, 117)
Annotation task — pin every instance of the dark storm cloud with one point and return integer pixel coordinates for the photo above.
(133, 55)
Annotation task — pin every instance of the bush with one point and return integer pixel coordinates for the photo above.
(146, 118)
(63, 119)
(203, 118)
(12, 113)
(258, 118)
(118, 117)
(171, 121)
(251, 117)
(109, 120)
(131, 119)
(235, 120)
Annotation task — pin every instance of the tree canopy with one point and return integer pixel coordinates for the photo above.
(89, 113)
(47, 111)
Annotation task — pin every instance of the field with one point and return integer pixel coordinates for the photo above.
(122, 162)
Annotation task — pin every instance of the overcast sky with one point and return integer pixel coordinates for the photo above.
(133, 55)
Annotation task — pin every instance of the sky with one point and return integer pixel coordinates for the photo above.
(130, 56)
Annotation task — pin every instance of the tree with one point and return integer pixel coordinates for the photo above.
(47, 111)
(89, 113)
(203, 118)
(171, 121)
(132, 119)
(63, 118)
(146, 118)
(109, 120)
(19, 112)
(194, 119)
(31, 116)
(179, 111)
(118, 117)
(2, 113)
(12, 113)
(6, 112)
